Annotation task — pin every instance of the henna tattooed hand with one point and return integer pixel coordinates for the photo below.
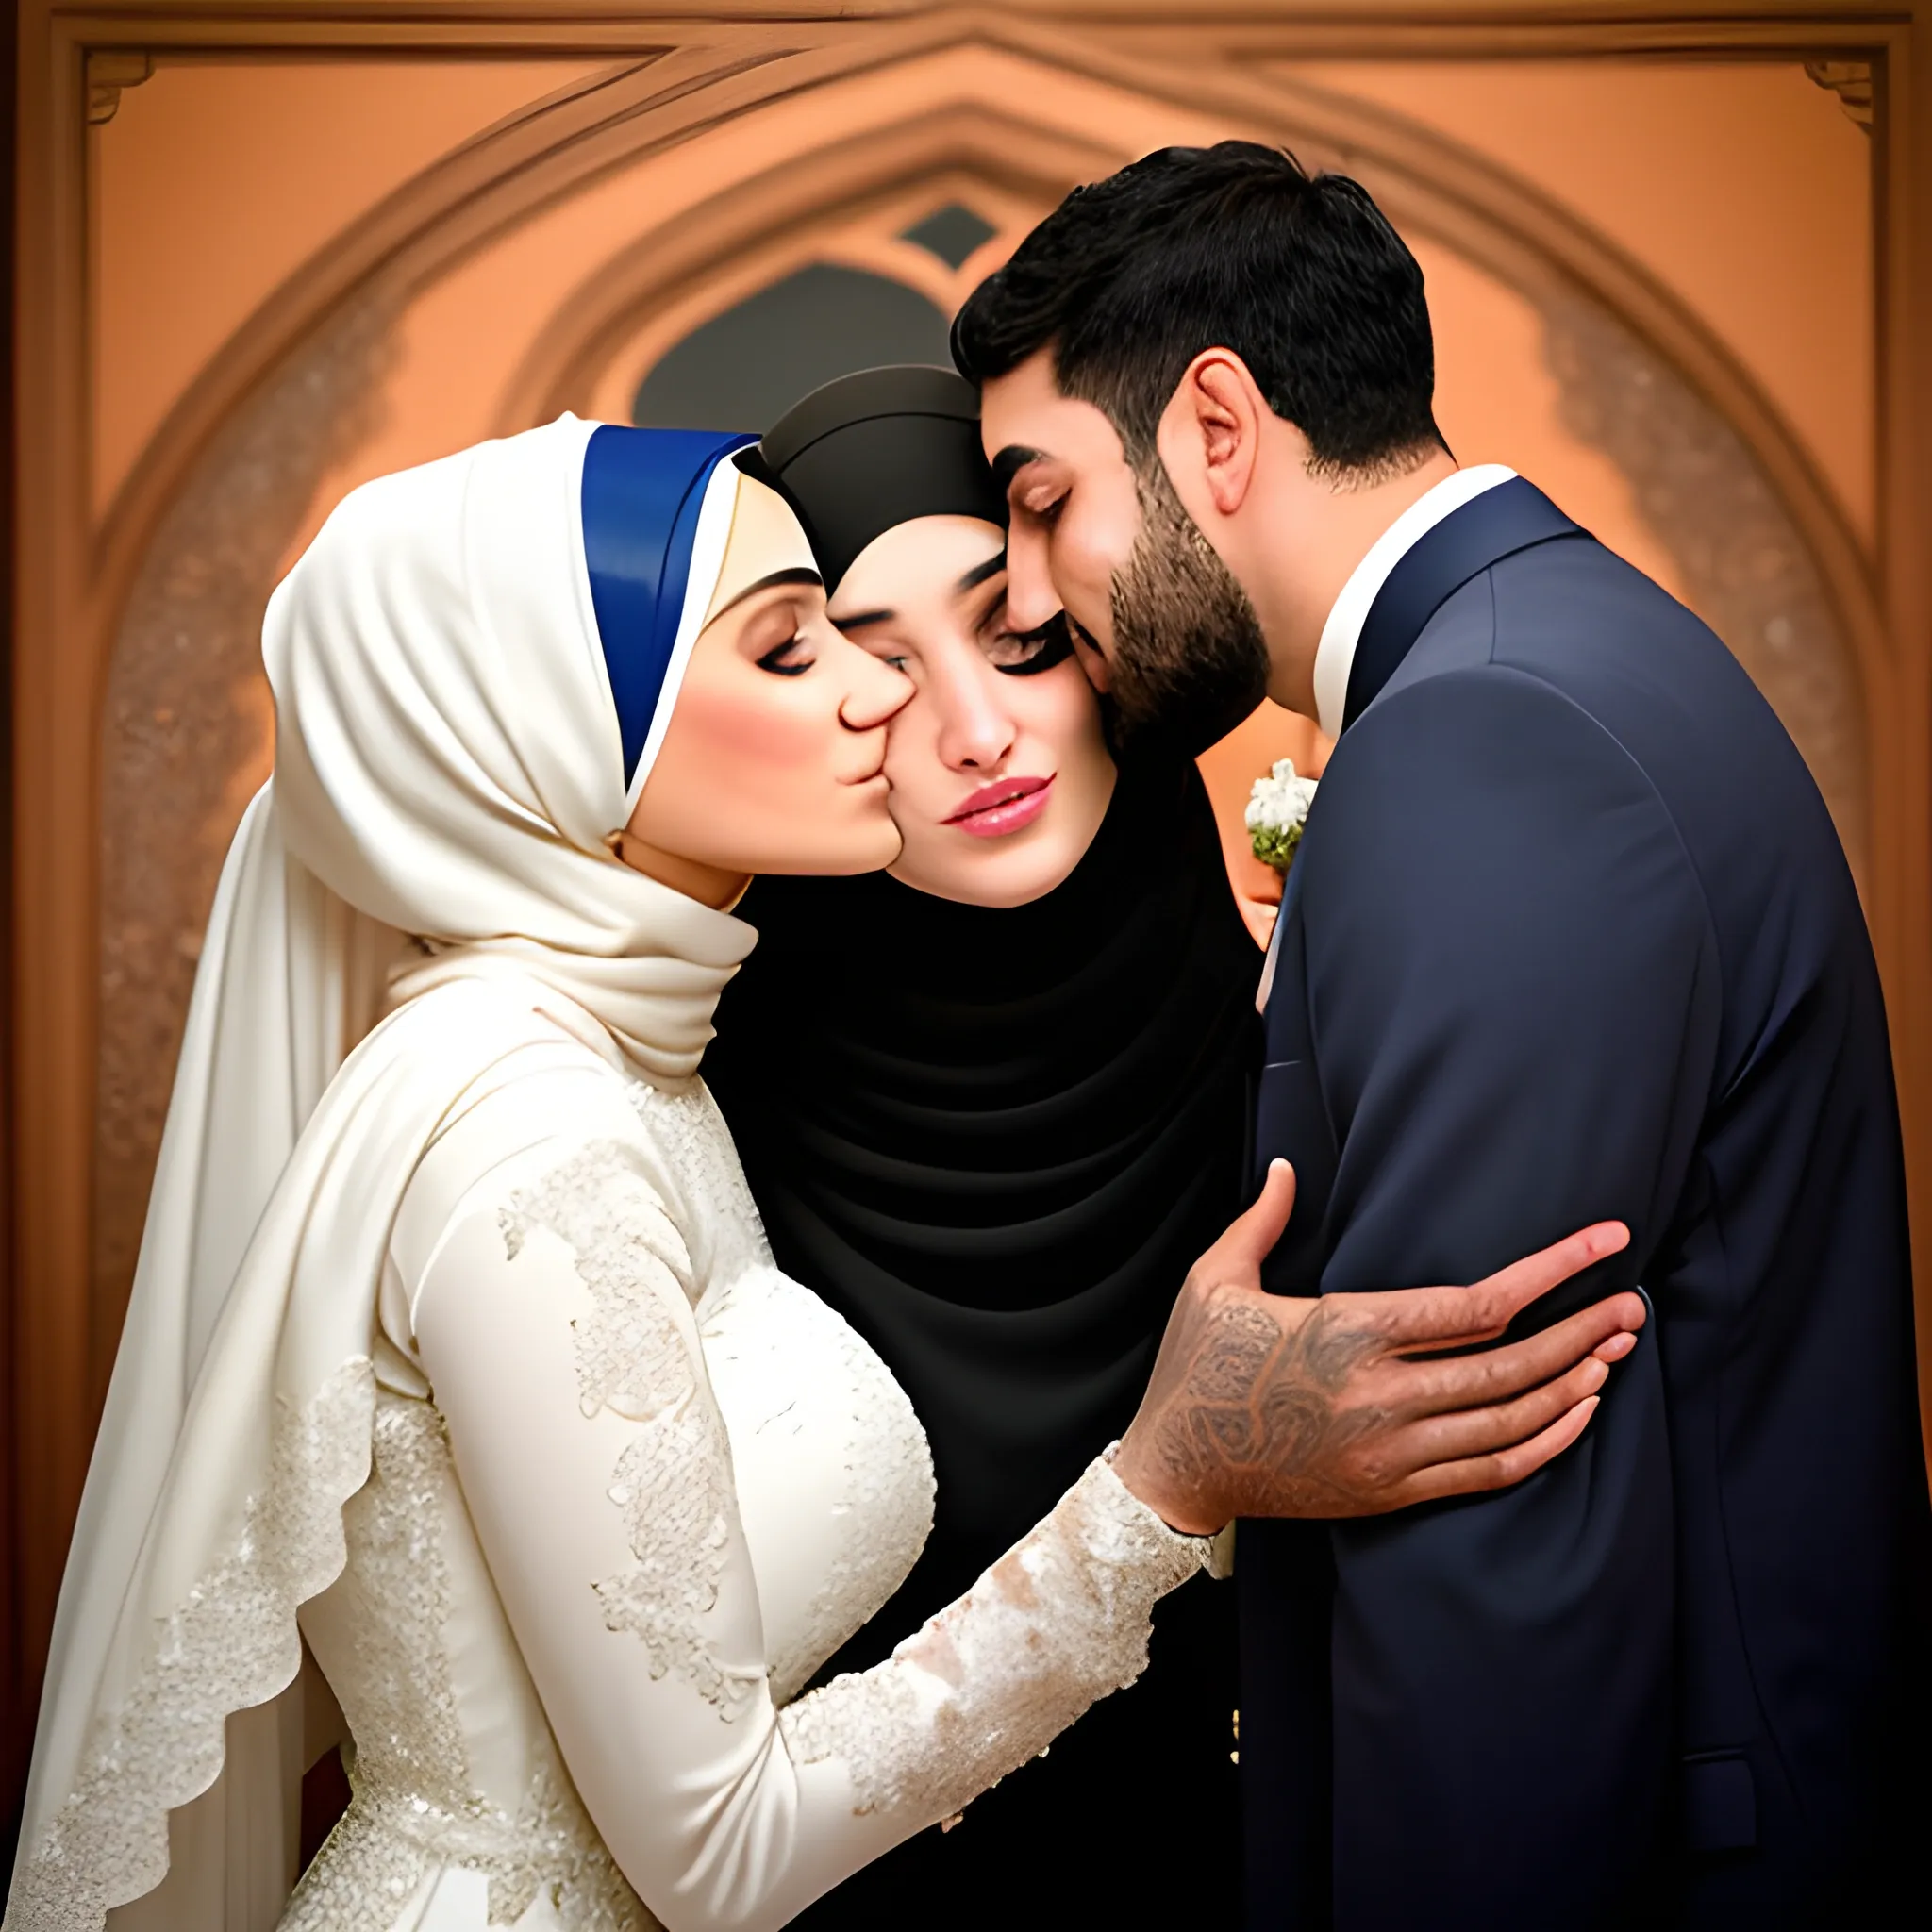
(1261, 1405)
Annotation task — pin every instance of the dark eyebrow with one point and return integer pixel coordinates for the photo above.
(980, 572)
(1012, 459)
(770, 583)
(971, 581)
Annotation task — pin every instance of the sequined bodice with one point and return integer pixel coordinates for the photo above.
(458, 1785)
(631, 1487)
(383, 1638)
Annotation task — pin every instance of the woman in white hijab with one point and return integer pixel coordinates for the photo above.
(456, 1352)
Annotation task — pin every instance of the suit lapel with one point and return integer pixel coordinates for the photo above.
(1289, 893)
(1511, 517)
(1292, 1113)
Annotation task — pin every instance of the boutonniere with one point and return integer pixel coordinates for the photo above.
(1278, 810)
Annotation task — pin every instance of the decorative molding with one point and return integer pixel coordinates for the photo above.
(755, 231)
(1747, 571)
(660, 306)
(187, 736)
(1855, 84)
(1191, 29)
(107, 75)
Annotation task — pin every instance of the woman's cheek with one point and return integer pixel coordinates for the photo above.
(1065, 712)
(1059, 719)
(753, 739)
(919, 779)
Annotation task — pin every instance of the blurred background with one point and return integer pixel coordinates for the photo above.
(1675, 260)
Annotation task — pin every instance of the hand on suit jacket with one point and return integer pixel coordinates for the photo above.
(1264, 1405)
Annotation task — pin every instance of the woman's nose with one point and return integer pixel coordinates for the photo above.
(975, 733)
(875, 694)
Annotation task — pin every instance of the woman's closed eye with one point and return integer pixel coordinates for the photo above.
(791, 658)
(1023, 653)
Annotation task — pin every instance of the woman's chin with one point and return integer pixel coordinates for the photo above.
(986, 876)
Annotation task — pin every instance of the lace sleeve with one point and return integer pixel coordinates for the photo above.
(1061, 1619)
(557, 1327)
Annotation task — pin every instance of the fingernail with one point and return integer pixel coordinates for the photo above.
(1615, 1349)
(1594, 1375)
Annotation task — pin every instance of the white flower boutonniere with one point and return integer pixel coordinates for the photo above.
(1277, 810)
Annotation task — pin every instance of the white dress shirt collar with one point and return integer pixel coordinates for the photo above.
(1335, 654)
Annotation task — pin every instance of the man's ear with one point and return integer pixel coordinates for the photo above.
(1210, 434)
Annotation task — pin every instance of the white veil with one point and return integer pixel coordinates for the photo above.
(447, 765)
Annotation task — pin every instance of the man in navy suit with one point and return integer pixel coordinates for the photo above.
(1568, 936)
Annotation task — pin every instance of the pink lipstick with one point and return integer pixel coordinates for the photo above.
(1003, 806)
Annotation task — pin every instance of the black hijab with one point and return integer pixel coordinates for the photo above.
(993, 1140)
(868, 452)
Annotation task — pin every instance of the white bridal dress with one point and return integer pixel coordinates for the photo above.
(456, 1354)
(631, 1486)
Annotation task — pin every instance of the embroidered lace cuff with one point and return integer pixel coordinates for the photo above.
(1061, 1619)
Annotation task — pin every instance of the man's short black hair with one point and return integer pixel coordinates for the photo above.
(1234, 246)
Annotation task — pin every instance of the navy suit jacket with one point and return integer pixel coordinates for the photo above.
(1570, 936)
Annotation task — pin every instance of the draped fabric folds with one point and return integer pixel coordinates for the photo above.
(995, 1140)
(448, 762)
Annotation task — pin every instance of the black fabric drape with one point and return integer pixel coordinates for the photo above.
(866, 451)
(995, 1140)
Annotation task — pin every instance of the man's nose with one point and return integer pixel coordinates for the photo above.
(1031, 598)
(876, 693)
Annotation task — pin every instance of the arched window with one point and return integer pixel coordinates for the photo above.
(745, 368)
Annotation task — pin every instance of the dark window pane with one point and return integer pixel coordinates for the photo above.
(744, 368)
(952, 233)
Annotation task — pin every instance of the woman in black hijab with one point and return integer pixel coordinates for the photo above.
(991, 1107)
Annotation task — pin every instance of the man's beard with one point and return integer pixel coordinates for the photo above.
(1189, 659)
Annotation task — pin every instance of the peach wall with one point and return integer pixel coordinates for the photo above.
(1745, 188)
(212, 182)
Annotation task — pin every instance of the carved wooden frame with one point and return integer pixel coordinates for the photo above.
(671, 76)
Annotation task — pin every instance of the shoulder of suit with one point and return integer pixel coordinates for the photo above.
(1489, 735)
(1473, 688)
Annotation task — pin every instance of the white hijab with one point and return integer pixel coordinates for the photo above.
(447, 765)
